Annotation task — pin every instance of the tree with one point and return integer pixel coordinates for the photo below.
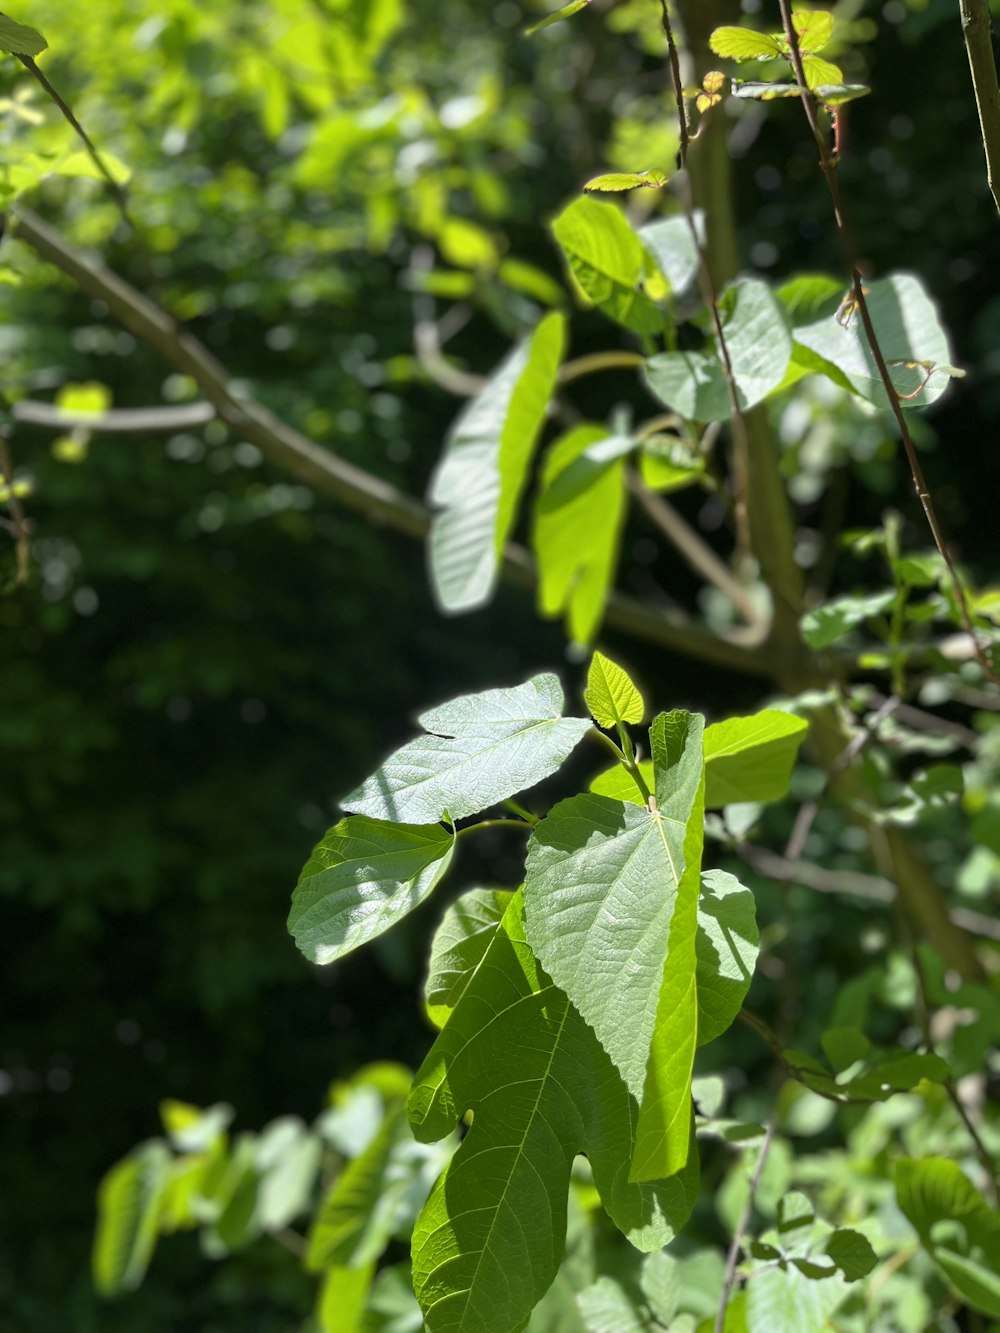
(572, 1010)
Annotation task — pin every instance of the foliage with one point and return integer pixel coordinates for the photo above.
(585, 1002)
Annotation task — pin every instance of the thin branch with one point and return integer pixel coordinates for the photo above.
(328, 473)
(736, 1245)
(699, 555)
(979, 46)
(595, 361)
(116, 421)
(828, 166)
(20, 528)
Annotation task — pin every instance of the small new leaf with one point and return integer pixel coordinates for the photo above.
(566, 12)
(610, 694)
(814, 28)
(742, 44)
(820, 73)
(617, 181)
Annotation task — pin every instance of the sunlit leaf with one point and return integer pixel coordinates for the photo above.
(617, 181)
(607, 260)
(611, 695)
(566, 12)
(751, 758)
(128, 1215)
(743, 44)
(814, 28)
(821, 73)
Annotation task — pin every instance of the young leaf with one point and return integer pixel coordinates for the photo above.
(751, 758)
(759, 345)
(821, 73)
(610, 694)
(909, 332)
(489, 1242)
(458, 947)
(607, 259)
(566, 12)
(479, 479)
(362, 878)
(668, 464)
(128, 1215)
(814, 28)
(727, 945)
(743, 44)
(831, 621)
(19, 40)
(578, 521)
(603, 883)
(481, 748)
(617, 181)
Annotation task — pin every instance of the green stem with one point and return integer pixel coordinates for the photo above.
(492, 823)
(589, 365)
(521, 810)
(627, 760)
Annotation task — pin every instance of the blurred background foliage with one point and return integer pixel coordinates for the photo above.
(208, 653)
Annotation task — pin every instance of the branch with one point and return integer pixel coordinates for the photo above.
(979, 45)
(117, 421)
(326, 471)
(733, 1255)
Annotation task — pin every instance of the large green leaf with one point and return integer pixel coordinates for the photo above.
(608, 261)
(515, 1051)
(129, 1203)
(363, 877)
(480, 749)
(912, 339)
(459, 944)
(342, 1298)
(727, 945)
(376, 1197)
(751, 758)
(607, 919)
(783, 1300)
(956, 1226)
(672, 245)
(759, 345)
(480, 477)
(578, 523)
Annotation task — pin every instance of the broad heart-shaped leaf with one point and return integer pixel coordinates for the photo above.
(566, 12)
(363, 877)
(128, 1217)
(517, 1054)
(610, 694)
(783, 1300)
(909, 332)
(759, 345)
(727, 946)
(743, 44)
(459, 944)
(18, 39)
(376, 1197)
(956, 1226)
(608, 261)
(578, 522)
(481, 748)
(751, 758)
(479, 479)
(610, 892)
(671, 244)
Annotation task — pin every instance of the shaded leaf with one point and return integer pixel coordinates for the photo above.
(458, 947)
(20, 40)
(363, 877)
(852, 1253)
(831, 621)
(727, 946)
(481, 749)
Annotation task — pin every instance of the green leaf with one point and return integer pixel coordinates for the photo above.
(909, 332)
(191, 1129)
(837, 94)
(606, 1308)
(612, 915)
(956, 1226)
(844, 1047)
(852, 1253)
(458, 947)
(751, 758)
(831, 621)
(392, 1306)
(765, 92)
(376, 1197)
(822, 73)
(19, 40)
(81, 164)
(287, 1159)
(743, 44)
(727, 946)
(784, 1300)
(490, 1240)
(579, 517)
(672, 245)
(795, 1211)
(610, 695)
(814, 28)
(480, 477)
(129, 1203)
(668, 464)
(566, 12)
(343, 1297)
(617, 181)
(607, 260)
(481, 749)
(363, 877)
(759, 345)
(621, 786)
(810, 295)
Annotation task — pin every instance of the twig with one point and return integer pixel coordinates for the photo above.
(979, 46)
(334, 476)
(828, 166)
(696, 551)
(20, 527)
(116, 421)
(736, 1244)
